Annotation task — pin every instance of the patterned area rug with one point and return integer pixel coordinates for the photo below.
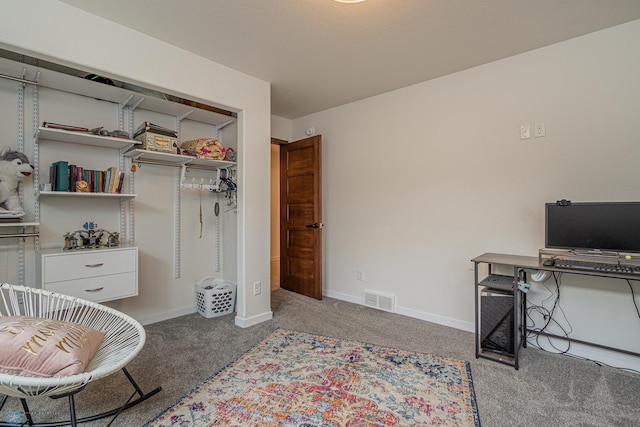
(302, 380)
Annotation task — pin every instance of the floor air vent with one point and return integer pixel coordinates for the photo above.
(379, 300)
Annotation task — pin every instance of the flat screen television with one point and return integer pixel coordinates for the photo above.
(593, 227)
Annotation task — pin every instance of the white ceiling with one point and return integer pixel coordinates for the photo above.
(318, 54)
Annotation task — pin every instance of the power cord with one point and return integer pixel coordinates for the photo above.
(548, 316)
(633, 297)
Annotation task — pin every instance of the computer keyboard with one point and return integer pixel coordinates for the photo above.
(602, 267)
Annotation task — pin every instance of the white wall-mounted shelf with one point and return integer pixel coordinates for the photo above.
(85, 138)
(85, 195)
(177, 159)
(127, 95)
(218, 164)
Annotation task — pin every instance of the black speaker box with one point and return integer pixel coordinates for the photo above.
(496, 321)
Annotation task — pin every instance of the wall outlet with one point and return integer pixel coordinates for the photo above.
(360, 275)
(539, 130)
(257, 288)
(525, 131)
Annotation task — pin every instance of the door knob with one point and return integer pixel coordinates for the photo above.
(316, 225)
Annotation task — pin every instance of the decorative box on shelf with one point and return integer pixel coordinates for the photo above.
(157, 138)
(156, 142)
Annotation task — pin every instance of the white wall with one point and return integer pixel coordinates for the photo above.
(419, 181)
(281, 128)
(55, 31)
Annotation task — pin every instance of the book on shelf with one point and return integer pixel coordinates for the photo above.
(64, 127)
(61, 182)
(99, 187)
(120, 182)
(95, 181)
(86, 177)
(79, 174)
(73, 171)
(105, 181)
(52, 177)
(64, 177)
(113, 174)
(90, 178)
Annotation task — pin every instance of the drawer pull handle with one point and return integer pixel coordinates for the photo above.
(95, 289)
(94, 265)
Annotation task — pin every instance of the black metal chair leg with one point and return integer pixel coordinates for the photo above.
(72, 411)
(132, 381)
(25, 407)
(74, 421)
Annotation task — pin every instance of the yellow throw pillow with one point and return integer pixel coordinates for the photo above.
(33, 346)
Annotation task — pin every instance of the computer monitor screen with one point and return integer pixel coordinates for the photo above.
(604, 226)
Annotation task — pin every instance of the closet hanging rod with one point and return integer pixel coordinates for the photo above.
(18, 79)
(4, 236)
(189, 166)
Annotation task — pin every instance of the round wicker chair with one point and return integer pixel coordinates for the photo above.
(124, 338)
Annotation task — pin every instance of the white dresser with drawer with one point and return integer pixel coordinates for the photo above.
(97, 275)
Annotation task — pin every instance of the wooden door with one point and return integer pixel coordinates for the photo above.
(301, 217)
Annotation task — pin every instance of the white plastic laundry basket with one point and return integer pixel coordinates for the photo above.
(215, 297)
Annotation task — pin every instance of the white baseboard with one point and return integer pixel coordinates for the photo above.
(438, 319)
(253, 320)
(243, 323)
(342, 297)
(607, 357)
(167, 315)
(429, 317)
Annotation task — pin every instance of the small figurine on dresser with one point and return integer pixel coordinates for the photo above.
(14, 167)
(113, 239)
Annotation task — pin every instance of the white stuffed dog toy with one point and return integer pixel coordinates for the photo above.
(14, 167)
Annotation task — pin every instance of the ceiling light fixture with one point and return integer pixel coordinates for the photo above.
(348, 1)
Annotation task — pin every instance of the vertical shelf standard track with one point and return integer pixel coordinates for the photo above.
(36, 155)
(21, 87)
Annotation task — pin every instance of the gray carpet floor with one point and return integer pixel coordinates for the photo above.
(547, 390)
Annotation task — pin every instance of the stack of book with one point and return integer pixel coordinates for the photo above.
(64, 177)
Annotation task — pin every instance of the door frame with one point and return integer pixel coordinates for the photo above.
(316, 290)
(275, 274)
